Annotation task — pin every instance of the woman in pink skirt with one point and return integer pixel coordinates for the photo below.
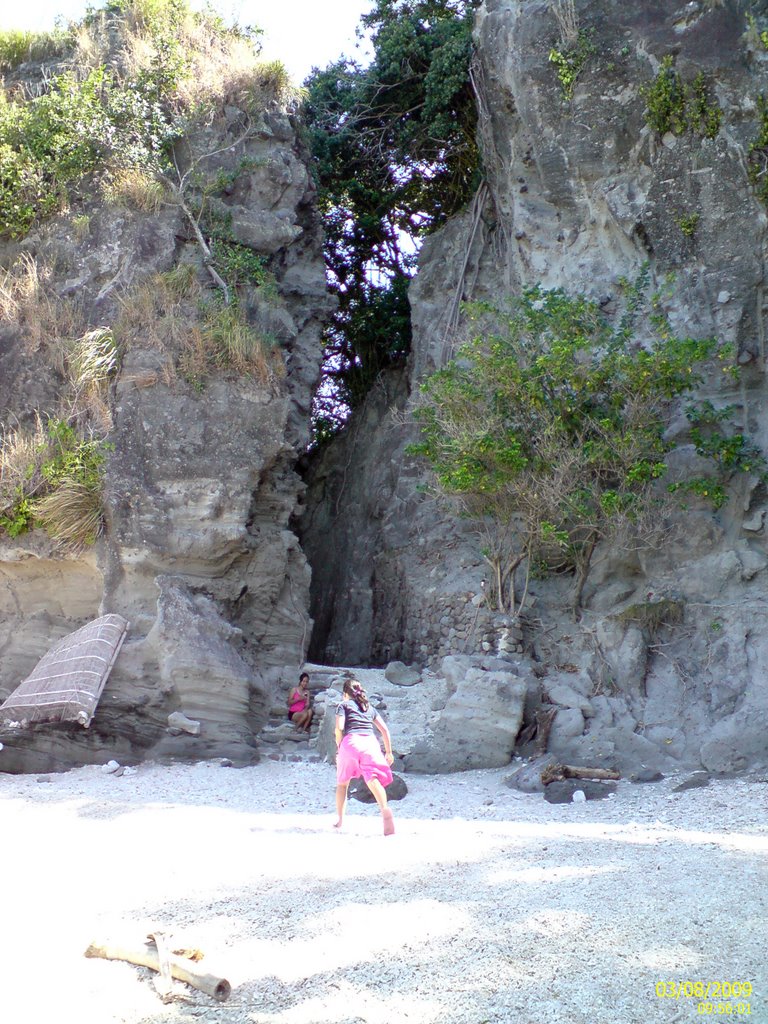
(359, 751)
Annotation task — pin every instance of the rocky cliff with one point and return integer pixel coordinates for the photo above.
(614, 137)
(584, 186)
(199, 485)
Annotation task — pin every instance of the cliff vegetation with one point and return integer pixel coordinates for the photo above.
(396, 155)
(123, 113)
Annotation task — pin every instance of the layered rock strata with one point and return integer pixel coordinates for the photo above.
(197, 550)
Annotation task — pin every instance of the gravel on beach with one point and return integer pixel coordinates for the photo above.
(487, 906)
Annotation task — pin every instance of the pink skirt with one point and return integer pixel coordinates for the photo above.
(360, 754)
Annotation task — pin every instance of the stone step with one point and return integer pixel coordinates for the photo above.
(283, 733)
(294, 756)
(282, 741)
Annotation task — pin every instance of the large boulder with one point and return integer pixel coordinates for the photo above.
(478, 726)
(402, 675)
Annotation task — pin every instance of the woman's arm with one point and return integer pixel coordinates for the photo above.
(339, 732)
(381, 725)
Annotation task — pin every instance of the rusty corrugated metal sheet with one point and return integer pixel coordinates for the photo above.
(68, 681)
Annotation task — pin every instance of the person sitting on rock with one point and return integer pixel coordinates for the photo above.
(300, 704)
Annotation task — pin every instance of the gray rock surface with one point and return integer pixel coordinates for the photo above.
(527, 778)
(696, 781)
(582, 193)
(478, 726)
(401, 675)
(198, 551)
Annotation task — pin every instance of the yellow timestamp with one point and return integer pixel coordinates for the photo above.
(717, 991)
(740, 1009)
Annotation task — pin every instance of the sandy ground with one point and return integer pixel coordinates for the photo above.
(487, 905)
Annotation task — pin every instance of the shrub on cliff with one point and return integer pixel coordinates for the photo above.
(18, 46)
(140, 72)
(549, 429)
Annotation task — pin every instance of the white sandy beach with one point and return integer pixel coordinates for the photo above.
(488, 905)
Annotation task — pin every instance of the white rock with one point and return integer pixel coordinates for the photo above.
(178, 722)
(755, 523)
(110, 766)
(579, 797)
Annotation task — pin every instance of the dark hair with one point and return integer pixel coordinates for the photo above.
(304, 675)
(354, 690)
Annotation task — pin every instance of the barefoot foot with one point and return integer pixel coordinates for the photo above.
(389, 823)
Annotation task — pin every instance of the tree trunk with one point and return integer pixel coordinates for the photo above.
(583, 573)
(544, 720)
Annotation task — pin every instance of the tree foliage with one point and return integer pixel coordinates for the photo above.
(395, 151)
(549, 427)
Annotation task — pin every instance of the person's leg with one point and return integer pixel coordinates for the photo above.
(380, 796)
(341, 803)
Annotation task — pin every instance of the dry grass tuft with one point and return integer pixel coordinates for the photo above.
(158, 311)
(89, 364)
(19, 450)
(28, 301)
(20, 287)
(72, 513)
(194, 360)
(135, 188)
(81, 225)
(232, 343)
(92, 361)
(141, 379)
(52, 476)
(567, 22)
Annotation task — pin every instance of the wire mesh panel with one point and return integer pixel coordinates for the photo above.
(67, 682)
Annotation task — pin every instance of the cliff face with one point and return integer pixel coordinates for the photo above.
(582, 192)
(204, 506)
(200, 486)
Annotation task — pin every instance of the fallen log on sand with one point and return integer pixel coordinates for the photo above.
(181, 968)
(561, 772)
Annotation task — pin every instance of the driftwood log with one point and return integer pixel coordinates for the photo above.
(180, 968)
(164, 980)
(561, 772)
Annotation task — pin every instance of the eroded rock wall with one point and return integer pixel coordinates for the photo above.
(581, 193)
(200, 488)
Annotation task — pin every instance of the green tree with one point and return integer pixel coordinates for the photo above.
(395, 151)
(548, 427)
